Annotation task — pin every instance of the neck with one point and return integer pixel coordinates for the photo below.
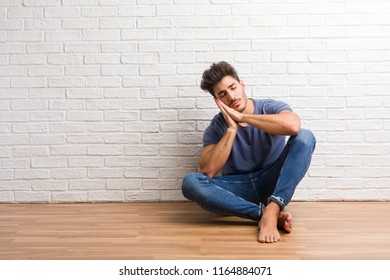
(249, 108)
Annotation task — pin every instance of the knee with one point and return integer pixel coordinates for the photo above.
(188, 185)
(306, 139)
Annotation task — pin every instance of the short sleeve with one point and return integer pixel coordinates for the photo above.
(272, 106)
(215, 131)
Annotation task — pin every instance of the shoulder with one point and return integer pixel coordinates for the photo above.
(218, 121)
(270, 106)
(215, 130)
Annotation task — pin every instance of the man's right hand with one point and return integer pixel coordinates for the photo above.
(229, 120)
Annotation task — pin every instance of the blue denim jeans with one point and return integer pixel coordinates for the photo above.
(245, 195)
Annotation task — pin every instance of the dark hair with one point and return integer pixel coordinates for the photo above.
(215, 74)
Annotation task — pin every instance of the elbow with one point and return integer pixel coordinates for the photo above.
(291, 128)
(291, 124)
(208, 173)
(294, 129)
(209, 170)
(295, 126)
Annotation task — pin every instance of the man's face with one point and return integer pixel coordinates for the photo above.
(232, 93)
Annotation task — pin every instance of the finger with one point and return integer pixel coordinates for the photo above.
(220, 106)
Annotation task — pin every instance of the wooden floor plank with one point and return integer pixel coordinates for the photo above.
(322, 230)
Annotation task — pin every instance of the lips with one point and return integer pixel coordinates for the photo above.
(235, 103)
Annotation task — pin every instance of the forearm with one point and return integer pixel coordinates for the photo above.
(285, 123)
(214, 157)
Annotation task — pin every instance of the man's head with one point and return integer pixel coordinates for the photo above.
(222, 81)
(215, 74)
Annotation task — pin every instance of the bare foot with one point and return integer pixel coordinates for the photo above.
(285, 221)
(270, 221)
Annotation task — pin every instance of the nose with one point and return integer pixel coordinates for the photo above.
(230, 95)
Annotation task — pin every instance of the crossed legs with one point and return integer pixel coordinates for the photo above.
(260, 196)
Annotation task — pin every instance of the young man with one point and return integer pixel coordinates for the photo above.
(246, 143)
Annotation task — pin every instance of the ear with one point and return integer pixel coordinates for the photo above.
(242, 83)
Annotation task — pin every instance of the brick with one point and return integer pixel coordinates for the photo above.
(143, 150)
(66, 82)
(7, 174)
(62, 12)
(24, 36)
(65, 59)
(99, 11)
(30, 128)
(69, 173)
(32, 196)
(140, 82)
(157, 47)
(190, 138)
(157, 70)
(80, 23)
(90, 184)
(123, 138)
(68, 150)
(121, 116)
(122, 161)
(83, 93)
(121, 93)
(153, 184)
(15, 163)
(139, 34)
(28, 82)
(89, 115)
(141, 127)
(32, 174)
(13, 48)
(42, 24)
(25, 12)
(141, 173)
(178, 126)
(177, 103)
(105, 150)
(154, 22)
(69, 196)
(82, 70)
(84, 138)
(63, 36)
(31, 151)
(116, 23)
(103, 127)
(39, 71)
(142, 196)
(105, 173)
(120, 184)
(104, 104)
(54, 185)
(27, 59)
(105, 196)
(13, 116)
(15, 185)
(159, 138)
(136, 11)
(85, 162)
(47, 139)
(11, 24)
(5, 152)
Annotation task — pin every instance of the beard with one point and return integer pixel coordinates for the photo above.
(241, 107)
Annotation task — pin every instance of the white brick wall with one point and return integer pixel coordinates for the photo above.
(100, 99)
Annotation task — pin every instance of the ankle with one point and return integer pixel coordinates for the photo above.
(272, 208)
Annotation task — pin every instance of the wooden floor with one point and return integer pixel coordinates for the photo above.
(127, 231)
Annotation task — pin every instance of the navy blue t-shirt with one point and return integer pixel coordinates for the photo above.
(253, 149)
